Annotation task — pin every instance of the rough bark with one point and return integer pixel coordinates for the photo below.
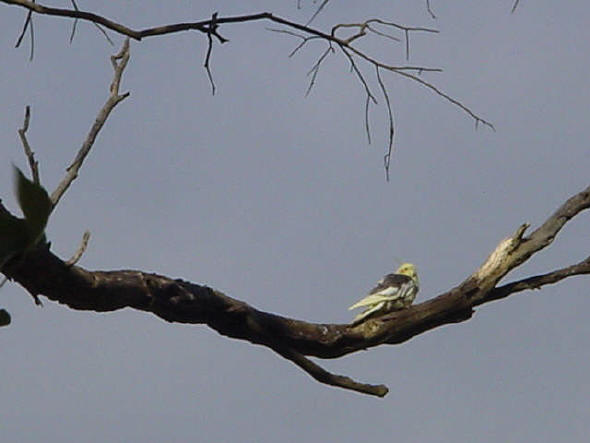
(41, 272)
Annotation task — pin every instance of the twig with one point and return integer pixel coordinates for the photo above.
(359, 75)
(382, 34)
(387, 157)
(325, 377)
(316, 68)
(210, 28)
(367, 127)
(364, 25)
(429, 9)
(514, 6)
(304, 39)
(447, 97)
(28, 24)
(174, 300)
(22, 132)
(316, 13)
(81, 249)
(538, 281)
(119, 62)
(104, 33)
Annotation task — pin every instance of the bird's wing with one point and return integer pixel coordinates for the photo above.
(371, 299)
(390, 280)
(387, 289)
(367, 312)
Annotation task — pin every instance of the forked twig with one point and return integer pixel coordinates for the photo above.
(210, 29)
(119, 62)
(22, 133)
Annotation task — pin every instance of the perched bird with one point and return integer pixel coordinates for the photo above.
(392, 293)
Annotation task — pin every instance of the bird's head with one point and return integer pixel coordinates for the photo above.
(408, 269)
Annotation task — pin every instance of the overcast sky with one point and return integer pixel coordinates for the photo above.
(276, 199)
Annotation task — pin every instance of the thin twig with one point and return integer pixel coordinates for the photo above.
(315, 69)
(447, 97)
(119, 62)
(384, 23)
(514, 6)
(382, 34)
(429, 9)
(213, 29)
(316, 13)
(104, 33)
(387, 157)
(22, 132)
(367, 127)
(304, 39)
(81, 249)
(407, 35)
(75, 22)
(205, 27)
(28, 24)
(210, 28)
(359, 75)
(538, 281)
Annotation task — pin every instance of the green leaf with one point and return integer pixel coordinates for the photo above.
(14, 236)
(35, 204)
(4, 317)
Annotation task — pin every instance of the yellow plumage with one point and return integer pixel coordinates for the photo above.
(392, 293)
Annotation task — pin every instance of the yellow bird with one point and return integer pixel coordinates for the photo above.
(393, 292)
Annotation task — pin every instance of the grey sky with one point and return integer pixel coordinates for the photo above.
(276, 199)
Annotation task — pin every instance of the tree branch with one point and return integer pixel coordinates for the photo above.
(538, 281)
(119, 62)
(22, 133)
(40, 272)
(210, 29)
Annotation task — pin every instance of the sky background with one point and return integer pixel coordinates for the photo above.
(276, 199)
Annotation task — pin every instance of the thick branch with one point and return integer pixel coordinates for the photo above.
(42, 273)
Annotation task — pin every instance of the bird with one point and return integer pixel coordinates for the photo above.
(393, 292)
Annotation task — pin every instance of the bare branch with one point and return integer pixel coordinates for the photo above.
(22, 133)
(514, 6)
(313, 72)
(25, 26)
(81, 249)
(447, 97)
(362, 26)
(212, 31)
(42, 273)
(210, 28)
(429, 9)
(382, 34)
(119, 62)
(304, 39)
(387, 157)
(538, 281)
(316, 13)
(355, 69)
(367, 126)
(323, 376)
(75, 24)
(104, 33)
(28, 24)
(205, 27)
